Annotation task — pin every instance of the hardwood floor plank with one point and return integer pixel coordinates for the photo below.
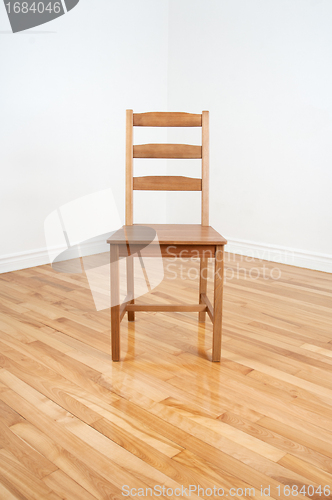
(307, 452)
(30, 459)
(54, 387)
(35, 397)
(216, 476)
(75, 425)
(301, 438)
(306, 469)
(213, 432)
(136, 464)
(92, 458)
(25, 482)
(255, 471)
(295, 380)
(8, 491)
(135, 430)
(70, 466)
(8, 416)
(66, 487)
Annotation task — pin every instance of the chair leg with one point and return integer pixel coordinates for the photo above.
(203, 270)
(115, 303)
(217, 310)
(130, 284)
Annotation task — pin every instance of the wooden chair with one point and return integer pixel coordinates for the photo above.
(198, 240)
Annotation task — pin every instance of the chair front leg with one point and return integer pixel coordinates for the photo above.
(115, 303)
(217, 309)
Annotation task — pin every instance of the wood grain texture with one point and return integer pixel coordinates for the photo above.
(170, 234)
(115, 302)
(75, 425)
(218, 298)
(203, 271)
(175, 151)
(205, 168)
(167, 119)
(129, 166)
(130, 285)
(167, 308)
(167, 183)
(209, 309)
(170, 252)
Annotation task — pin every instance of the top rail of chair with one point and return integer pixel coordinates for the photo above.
(167, 119)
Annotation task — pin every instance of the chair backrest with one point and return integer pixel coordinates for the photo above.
(167, 183)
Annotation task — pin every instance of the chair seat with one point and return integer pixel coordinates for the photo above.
(168, 234)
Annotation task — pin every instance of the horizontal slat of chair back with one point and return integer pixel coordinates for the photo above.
(167, 151)
(165, 119)
(167, 183)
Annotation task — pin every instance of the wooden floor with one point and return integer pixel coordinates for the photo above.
(75, 426)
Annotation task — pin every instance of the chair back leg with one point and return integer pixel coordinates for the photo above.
(115, 303)
(203, 270)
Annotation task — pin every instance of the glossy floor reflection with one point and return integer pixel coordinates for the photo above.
(75, 425)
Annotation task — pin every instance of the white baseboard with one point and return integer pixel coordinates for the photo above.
(281, 255)
(272, 253)
(40, 257)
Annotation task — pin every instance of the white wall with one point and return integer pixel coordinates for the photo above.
(65, 86)
(263, 69)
